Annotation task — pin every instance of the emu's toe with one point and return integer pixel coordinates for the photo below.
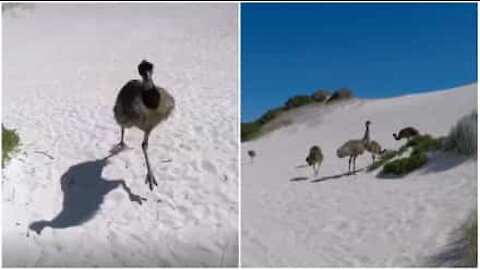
(150, 180)
(118, 148)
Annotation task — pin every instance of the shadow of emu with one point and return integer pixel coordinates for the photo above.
(83, 192)
(337, 176)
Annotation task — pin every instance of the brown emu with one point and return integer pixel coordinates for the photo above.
(315, 158)
(408, 133)
(375, 149)
(251, 154)
(354, 148)
(144, 105)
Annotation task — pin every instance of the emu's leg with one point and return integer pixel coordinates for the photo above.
(349, 163)
(354, 160)
(121, 145)
(373, 158)
(150, 179)
(121, 138)
(316, 169)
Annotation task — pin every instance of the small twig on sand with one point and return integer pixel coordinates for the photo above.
(44, 153)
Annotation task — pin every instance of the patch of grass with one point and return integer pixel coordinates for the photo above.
(259, 130)
(254, 129)
(470, 236)
(461, 251)
(250, 131)
(463, 136)
(403, 166)
(425, 143)
(10, 143)
(298, 101)
(386, 157)
(420, 145)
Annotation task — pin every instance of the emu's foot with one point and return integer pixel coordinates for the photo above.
(137, 198)
(38, 226)
(150, 180)
(118, 148)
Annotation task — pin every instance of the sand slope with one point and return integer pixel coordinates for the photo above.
(63, 67)
(361, 220)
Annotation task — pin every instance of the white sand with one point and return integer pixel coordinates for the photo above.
(63, 67)
(358, 220)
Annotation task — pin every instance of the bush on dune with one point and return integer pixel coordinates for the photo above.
(10, 142)
(384, 158)
(403, 166)
(462, 139)
(298, 101)
(470, 235)
(254, 129)
(463, 136)
(425, 143)
(420, 145)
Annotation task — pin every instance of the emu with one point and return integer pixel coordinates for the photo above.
(408, 132)
(251, 154)
(371, 146)
(375, 149)
(354, 148)
(315, 157)
(142, 104)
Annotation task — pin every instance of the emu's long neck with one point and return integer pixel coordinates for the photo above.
(366, 137)
(147, 81)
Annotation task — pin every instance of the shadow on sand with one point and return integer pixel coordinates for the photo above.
(300, 178)
(83, 192)
(440, 162)
(325, 178)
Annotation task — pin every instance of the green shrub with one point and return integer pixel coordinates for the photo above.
(470, 236)
(10, 143)
(425, 143)
(298, 101)
(341, 94)
(403, 166)
(254, 129)
(321, 95)
(269, 115)
(420, 146)
(249, 131)
(463, 136)
(384, 158)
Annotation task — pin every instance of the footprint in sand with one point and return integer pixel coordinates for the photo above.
(209, 166)
(199, 130)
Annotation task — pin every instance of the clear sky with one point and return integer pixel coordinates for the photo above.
(377, 50)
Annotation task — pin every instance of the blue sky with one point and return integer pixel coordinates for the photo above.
(377, 50)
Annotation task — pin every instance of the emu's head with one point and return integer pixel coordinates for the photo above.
(145, 69)
(342, 152)
(368, 123)
(309, 160)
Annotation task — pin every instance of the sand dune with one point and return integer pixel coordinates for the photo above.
(289, 219)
